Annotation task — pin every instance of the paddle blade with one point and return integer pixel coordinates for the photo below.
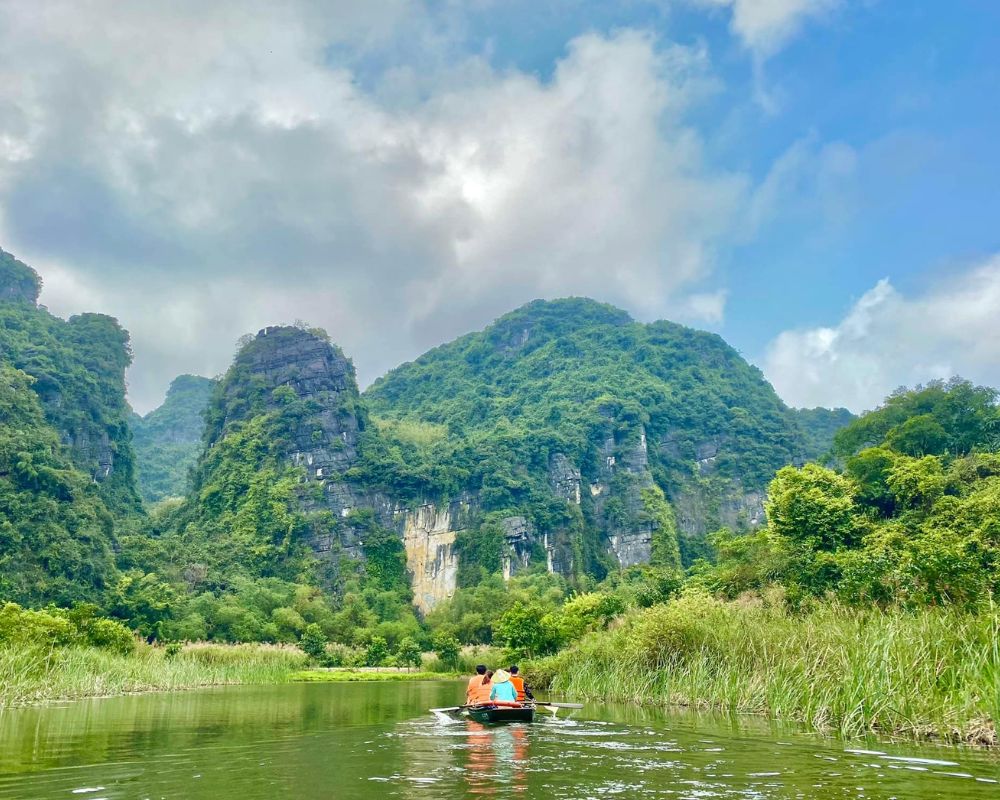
(563, 705)
(445, 710)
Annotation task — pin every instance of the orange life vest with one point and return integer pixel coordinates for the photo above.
(477, 691)
(518, 682)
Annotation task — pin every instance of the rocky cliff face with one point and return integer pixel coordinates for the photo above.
(310, 384)
(308, 387)
(572, 400)
(429, 533)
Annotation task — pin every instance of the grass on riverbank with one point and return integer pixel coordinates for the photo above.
(38, 674)
(928, 674)
(347, 675)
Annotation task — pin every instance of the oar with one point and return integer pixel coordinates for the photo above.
(448, 709)
(561, 705)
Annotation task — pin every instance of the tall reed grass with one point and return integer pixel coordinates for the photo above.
(928, 674)
(32, 674)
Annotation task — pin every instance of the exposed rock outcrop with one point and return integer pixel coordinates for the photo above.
(707, 505)
(518, 534)
(429, 538)
(564, 478)
(310, 383)
(617, 497)
(19, 283)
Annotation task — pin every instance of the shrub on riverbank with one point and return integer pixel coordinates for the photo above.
(60, 627)
(929, 673)
(32, 673)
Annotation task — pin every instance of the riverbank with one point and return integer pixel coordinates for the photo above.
(370, 674)
(932, 674)
(32, 674)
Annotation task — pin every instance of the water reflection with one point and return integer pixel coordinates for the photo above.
(497, 759)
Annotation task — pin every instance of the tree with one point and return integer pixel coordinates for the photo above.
(520, 629)
(446, 647)
(870, 471)
(409, 653)
(812, 506)
(918, 436)
(954, 416)
(917, 482)
(313, 642)
(377, 652)
(146, 601)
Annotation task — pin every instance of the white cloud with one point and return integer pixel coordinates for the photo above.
(765, 26)
(888, 340)
(201, 171)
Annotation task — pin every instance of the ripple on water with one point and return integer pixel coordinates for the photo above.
(294, 742)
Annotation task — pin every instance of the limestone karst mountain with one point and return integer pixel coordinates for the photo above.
(581, 399)
(565, 437)
(78, 371)
(66, 463)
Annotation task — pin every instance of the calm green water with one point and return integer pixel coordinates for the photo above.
(377, 740)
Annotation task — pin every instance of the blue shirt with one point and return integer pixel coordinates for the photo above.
(503, 691)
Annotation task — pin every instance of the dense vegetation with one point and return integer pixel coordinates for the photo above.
(58, 653)
(234, 561)
(910, 519)
(867, 603)
(934, 674)
(56, 533)
(78, 371)
(655, 414)
(168, 440)
(66, 465)
(820, 426)
(563, 422)
(562, 376)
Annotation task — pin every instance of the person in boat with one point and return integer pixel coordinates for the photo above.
(523, 690)
(478, 690)
(502, 689)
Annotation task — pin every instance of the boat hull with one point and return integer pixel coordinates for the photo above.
(493, 715)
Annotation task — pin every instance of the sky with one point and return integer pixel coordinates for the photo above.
(818, 181)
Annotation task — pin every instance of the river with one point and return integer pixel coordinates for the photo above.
(312, 741)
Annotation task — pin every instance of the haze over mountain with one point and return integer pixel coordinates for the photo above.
(167, 440)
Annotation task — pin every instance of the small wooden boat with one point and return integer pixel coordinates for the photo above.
(497, 712)
(494, 713)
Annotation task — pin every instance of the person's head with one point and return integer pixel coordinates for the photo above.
(501, 676)
(513, 669)
(480, 669)
(488, 676)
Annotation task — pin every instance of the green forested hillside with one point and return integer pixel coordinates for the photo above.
(820, 426)
(56, 534)
(254, 553)
(556, 373)
(66, 464)
(168, 440)
(78, 366)
(618, 400)
(562, 444)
